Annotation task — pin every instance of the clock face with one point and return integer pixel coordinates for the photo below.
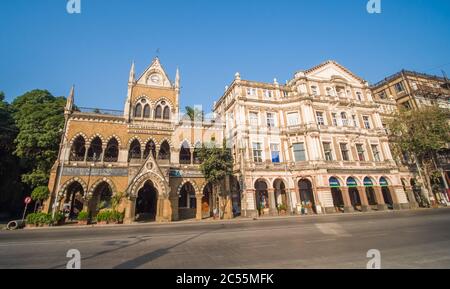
(154, 78)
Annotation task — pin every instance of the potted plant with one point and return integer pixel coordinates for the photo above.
(103, 217)
(83, 218)
(282, 209)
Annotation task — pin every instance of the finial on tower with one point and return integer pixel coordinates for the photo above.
(177, 79)
(131, 77)
(237, 76)
(70, 100)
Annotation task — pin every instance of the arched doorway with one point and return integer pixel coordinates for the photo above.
(353, 192)
(73, 201)
(207, 201)
(370, 192)
(146, 202)
(101, 199)
(281, 200)
(336, 193)
(384, 184)
(186, 202)
(306, 195)
(262, 197)
(235, 196)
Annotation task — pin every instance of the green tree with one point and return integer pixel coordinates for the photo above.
(421, 134)
(40, 194)
(39, 116)
(11, 192)
(216, 165)
(194, 113)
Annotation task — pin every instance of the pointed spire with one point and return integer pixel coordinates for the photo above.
(177, 79)
(131, 77)
(70, 99)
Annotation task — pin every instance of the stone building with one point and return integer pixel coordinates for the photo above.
(317, 142)
(413, 90)
(148, 152)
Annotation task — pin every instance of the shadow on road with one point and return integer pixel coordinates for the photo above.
(151, 256)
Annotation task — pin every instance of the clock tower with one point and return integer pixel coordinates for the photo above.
(152, 96)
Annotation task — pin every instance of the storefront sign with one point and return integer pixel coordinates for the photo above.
(107, 172)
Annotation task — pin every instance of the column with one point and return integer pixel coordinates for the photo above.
(199, 213)
(364, 201)
(102, 157)
(412, 199)
(86, 148)
(130, 211)
(395, 201)
(348, 208)
(272, 203)
(380, 200)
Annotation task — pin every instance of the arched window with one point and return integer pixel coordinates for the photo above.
(112, 151)
(138, 110)
(95, 150)
(164, 151)
(158, 112)
(185, 153)
(344, 119)
(147, 111)
(150, 147)
(134, 151)
(166, 113)
(78, 149)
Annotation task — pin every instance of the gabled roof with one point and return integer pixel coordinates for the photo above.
(333, 63)
(154, 67)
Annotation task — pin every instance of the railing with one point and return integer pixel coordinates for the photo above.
(99, 111)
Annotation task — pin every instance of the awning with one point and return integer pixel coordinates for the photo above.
(368, 182)
(334, 182)
(351, 183)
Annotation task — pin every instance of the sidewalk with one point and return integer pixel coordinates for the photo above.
(238, 219)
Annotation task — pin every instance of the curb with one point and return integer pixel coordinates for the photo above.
(230, 221)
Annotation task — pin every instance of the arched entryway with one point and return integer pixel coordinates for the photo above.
(370, 192)
(281, 199)
(146, 202)
(74, 200)
(306, 193)
(262, 197)
(187, 203)
(100, 199)
(384, 184)
(336, 193)
(353, 193)
(207, 201)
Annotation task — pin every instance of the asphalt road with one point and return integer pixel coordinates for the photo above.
(405, 239)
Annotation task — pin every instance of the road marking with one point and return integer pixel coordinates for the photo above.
(332, 229)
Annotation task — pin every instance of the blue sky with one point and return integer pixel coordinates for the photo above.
(42, 46)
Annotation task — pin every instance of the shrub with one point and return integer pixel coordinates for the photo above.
(282, 207)
(110, 216)
(39, 219)
(83, 216)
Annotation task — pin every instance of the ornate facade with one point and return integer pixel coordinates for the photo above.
(148, 152)
(316, 142)
(413, 90)
(316, 145)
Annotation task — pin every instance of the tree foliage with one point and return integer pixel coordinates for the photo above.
(216, 162)
(194, 113)
(39, 117)
(421, 134)
(40, 193)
